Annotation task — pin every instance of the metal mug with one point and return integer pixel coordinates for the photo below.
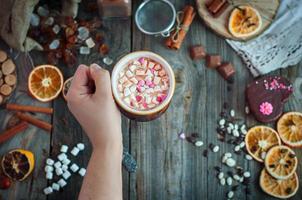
(155, 17)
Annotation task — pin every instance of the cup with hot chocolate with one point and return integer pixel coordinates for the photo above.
(143, 84)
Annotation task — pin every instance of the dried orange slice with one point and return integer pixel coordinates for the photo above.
(45, 82)
(66, 87)
(282, 189)
(259, 139)
(245, 21)
(281, 162)
(18, 164)
(289, 128)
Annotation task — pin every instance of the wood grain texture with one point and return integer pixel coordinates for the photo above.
(168, 168)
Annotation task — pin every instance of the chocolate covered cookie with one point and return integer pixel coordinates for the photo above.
(266, 97)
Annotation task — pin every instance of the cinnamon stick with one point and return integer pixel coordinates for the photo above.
(178, 35)
(9, 133)
(25, 108)
(36, 122)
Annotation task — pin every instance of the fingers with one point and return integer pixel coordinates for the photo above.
(79, 85)
(101, 79)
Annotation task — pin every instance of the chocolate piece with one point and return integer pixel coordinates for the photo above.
(213, 61)
(197, 52)
(226, 70)
(266, 97)
(217, 7)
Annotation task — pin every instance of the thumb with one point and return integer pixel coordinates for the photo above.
(101, 80)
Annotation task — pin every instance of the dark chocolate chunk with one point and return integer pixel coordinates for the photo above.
(217, 7)
(272, 91)
(226, 70)
(213, 61)
(197, 52)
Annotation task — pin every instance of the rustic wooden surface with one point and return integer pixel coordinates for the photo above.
(168, 168)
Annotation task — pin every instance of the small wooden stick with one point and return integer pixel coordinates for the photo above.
(9, 133)
(36, 122)
(24, 108)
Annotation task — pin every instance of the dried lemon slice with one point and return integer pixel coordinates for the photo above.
(281, 162)
(259, 139)
(18, 164)
(289, 128)
(282, 189)
(244, 21)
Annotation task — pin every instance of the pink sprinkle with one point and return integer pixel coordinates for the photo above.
(182, 136)
(266, 108)
(148, 82)
(141, 83)
(139, 89)
(163, 97)
(152, 85)
(145, 105)
(152, 71)
(159, 99)
(138, 98)
(141, 60)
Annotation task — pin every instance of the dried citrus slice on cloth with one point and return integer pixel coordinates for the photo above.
(244, 21)
(289, 128)
(281, 162)
(66, 87)
(282, 189)
(259, 139)
(45, 82)
(18, 164)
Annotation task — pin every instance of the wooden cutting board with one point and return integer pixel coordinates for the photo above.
(266, 8)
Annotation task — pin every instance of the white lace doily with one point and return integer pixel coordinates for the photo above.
(279, 46)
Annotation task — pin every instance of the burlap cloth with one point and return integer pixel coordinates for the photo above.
(15, 21)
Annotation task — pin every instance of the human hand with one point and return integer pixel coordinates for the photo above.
(90, 100)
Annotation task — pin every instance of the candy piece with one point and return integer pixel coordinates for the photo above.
(84, 50)
(48, 190)
(266, 108)
(58, 164)
(213, 61)
(64, 167)
(54, 44)
(151, 65)
(82, 172)
(226, 70)
(64, 148)
(127, 92)
(81, 146)
(59, 171)
(133, 88)
(66, 161)
(49, 175)
(48, 168)
(56, 29)
(62, 182)
(66, 175)
(197, 52)
(75, 151)
(145, 63)
(129, 74)
(90, 43)
(74, 167)
(49, 21)
(50, 161)
(83, 33)
(107, 60)
(123, 79)
(62, 156)
(156, 80)
(55, 186)
(140, 72)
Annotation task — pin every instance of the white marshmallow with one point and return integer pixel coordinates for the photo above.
(90, 43)
(75, 151)
(55, 186)
(132, 68)
(48, 168)
(49, 175)
(64, 148)
(74, 167)
(127, 92)
(66, 161)
(50, 161)
(59, 171)
(82, 172)
(58, 164)
(48, 190)
(62, 182)
(64, 167)
(62, 156)
(66, 175)
(129, 74)
(81, 146)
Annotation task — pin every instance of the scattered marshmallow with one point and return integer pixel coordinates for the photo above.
(74, 167)
(75, 151)
(62, 156)
(64, 148)
(64, 167)
(66, 161)
(48, 190)
(230, 162)
(48, 168)
(90, 43)
(55, 186)
(59, 171)
(49, 175)
(66, 175)
(62, 182)
(58, 164)
(82, 172)
(81, 146)
(50, 161)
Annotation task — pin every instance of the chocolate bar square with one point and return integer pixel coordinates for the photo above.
(226, 70)
(213, 61)
(197, 52)
(217, 7)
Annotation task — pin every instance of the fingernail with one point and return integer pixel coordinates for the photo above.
(95, 67)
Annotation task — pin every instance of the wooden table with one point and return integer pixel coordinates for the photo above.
(168, 168)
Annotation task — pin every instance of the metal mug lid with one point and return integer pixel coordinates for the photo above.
(155, 17)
